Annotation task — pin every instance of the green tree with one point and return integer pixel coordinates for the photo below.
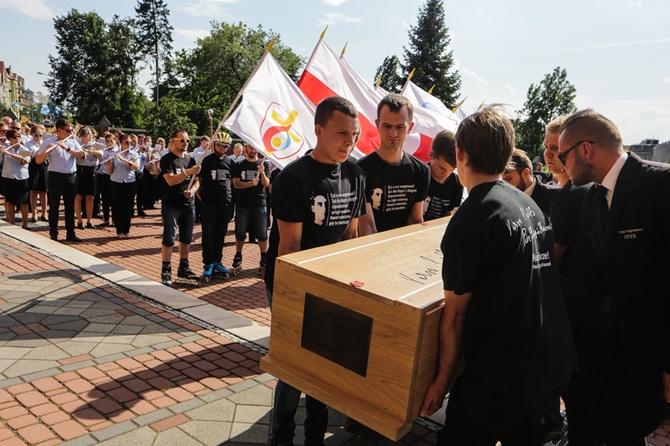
(210, 75)
(428, 53)
(389, 70)
(553, 97)
(94, 72)
(169, 116)
(154, 35)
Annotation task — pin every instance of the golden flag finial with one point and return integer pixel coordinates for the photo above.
(344, 50)
(323, 34)
(379, 81)
(431, 89)
(453, 110)
(271, 44)
(411, 74)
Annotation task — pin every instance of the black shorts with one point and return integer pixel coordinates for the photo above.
(16, 191)
(86, 180)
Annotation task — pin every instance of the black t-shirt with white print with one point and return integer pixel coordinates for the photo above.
(250, 197)
(516, 334)
(173, 196)
(393, 189)
(442, 197)
(323, 197)
(215, 180)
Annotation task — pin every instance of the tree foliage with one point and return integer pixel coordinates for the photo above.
(552, 97)
(210, 75)
(428, 53)
(94, 72)
(391, 79)
(154, 35)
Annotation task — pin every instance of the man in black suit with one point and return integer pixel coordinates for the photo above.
(626, 219)
(518, 173)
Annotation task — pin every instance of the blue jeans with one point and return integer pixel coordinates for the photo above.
(214, 221)
(254, 218)
(182, 217)
(286, 405)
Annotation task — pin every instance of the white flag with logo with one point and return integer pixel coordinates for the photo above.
(274, 116)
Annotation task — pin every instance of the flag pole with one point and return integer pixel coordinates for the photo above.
(431, 89)
(409, 76)
(235, 101)
(344, 50)
(459, 105)
(311, 57)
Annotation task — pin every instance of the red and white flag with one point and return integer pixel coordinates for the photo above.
(428, 120)
(274, 116)
(327, 75)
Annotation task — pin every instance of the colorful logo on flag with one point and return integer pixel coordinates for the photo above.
(280, 140)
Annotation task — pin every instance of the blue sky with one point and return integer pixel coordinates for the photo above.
(616, 52)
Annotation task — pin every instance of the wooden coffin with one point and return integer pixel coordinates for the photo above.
(355, 324)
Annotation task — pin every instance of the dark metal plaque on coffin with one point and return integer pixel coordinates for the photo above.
(336, 333)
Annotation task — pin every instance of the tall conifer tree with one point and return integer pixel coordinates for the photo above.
(429, 53)
(154, 35)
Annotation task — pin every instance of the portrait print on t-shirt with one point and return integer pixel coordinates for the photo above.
(319, 209)
(393, 197)
(376, 198)
(332, 209)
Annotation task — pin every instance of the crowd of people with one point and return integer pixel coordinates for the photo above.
(552, 291)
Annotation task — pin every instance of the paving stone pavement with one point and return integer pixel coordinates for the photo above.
(94, 351)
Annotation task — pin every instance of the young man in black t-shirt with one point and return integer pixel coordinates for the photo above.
(396, 182)
(250, 178)
(445, 191)
(317, 201)
(503, 305)
(215, 193)
(178, 206)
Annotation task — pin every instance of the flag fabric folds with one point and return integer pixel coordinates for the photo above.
(327, 75)
(274, 116)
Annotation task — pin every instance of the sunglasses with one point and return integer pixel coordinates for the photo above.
(220, 144)
(39, 135)
(563, 155)
(181, 140)
(68, 130)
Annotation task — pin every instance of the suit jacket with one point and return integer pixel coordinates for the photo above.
(634, 255)
(543, 195)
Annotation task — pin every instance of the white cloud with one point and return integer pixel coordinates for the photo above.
(331, 18)
(207, 8)
(480, 80)
(191, 34)
(667, 80)
(508, 87)
(35, 9)
(333, 2)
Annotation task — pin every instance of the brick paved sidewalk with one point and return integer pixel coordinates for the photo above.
(244, 295)
(85, 361)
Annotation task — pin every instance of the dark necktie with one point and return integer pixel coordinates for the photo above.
(603, 208)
